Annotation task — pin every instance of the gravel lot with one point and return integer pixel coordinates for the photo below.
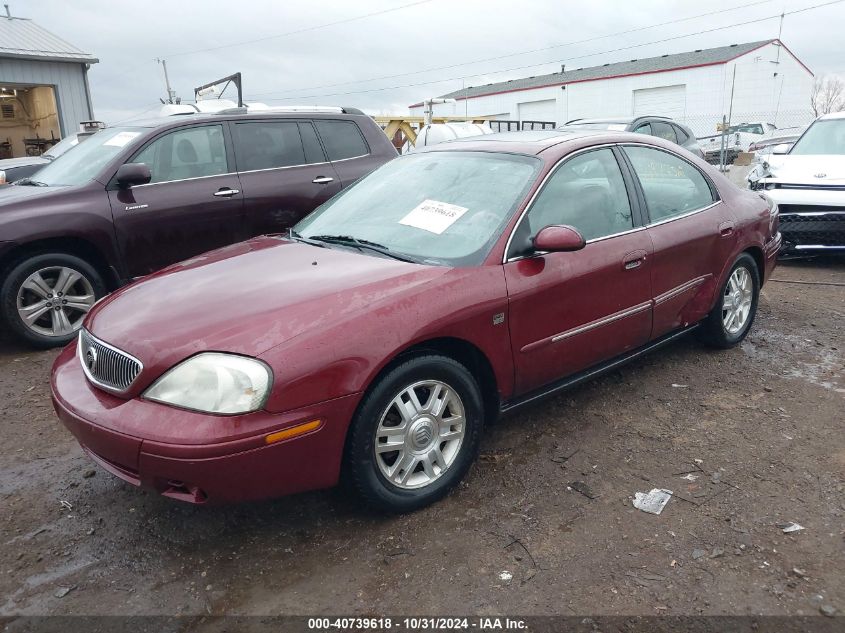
(747, 439)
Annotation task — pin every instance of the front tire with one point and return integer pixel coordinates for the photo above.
(45, 298)
(415, 434)
(736, 306)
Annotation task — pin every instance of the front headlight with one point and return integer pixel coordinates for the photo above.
(213, 382)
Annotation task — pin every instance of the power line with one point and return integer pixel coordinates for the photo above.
(516, 54)
(304, 30)
(614, 50)
(137, 115)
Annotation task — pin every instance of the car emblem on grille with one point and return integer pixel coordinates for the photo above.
(820, 175)
(91, 359)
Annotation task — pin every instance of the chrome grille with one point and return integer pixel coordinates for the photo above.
(107, 366)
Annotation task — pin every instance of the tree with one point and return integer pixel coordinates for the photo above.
(828, 95)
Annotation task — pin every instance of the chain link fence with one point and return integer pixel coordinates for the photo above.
(723, 138)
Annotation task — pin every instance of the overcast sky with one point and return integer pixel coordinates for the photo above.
(305, 67)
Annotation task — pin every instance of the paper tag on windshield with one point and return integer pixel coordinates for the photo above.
(433, 216)
(121, 138)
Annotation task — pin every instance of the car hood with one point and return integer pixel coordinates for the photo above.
(9, 163)
(806, 170)
(12, 194)
(248, 298)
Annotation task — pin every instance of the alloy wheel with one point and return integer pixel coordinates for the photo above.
(420, 434)
(54, 300)
(736, 302)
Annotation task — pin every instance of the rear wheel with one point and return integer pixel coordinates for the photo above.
(415, 435)
(45, 298)
(731, 318)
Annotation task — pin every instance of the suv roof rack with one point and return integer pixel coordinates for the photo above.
(260, 108)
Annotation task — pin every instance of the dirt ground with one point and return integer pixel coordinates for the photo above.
(747, 439)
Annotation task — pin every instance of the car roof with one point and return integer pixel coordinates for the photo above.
(833, 115)
(234, 114)
(530, 142)
(617, 119)
(535, 142)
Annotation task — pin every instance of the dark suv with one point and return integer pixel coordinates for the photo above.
(134, 199)
(659, 126)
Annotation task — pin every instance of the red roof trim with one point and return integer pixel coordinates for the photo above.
(647, 72)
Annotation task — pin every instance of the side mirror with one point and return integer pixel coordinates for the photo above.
(781, 148)
(131, 174)
(559, 239)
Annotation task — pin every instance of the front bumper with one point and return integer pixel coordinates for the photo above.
(811, 219)
(204, 466)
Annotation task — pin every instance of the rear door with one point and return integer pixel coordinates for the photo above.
(347, 149)
(569, 311)
(283, 172)
(192, 204)
(692, 232)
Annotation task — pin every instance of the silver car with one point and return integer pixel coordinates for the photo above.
(659, 126)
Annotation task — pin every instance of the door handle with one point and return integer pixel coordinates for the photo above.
(726, 229)
(322, 180)
(634, 260)
(226, 193)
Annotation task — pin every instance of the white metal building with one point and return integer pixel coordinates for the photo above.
(44, 90)
(769, 83)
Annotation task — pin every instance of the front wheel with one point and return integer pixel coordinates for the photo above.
(415, 435)
(44, 298)
(731, 318)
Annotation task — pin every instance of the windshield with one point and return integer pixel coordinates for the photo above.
(62, 146)
(751, 128)
(85, 162)
(825, 137)
(437, 207)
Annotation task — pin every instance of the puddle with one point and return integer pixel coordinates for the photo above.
(798, 357)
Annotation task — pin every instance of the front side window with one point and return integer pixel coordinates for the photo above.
(671, 185)
(268, 144)
(192, 152)
(342, 139)
(437, 207)
(645, 128)
(586, 192)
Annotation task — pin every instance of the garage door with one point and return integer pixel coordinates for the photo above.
(668, 101)
(545, 110)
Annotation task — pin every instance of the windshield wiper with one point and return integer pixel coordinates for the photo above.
(31, 183)
(348, 240)
(305, 240)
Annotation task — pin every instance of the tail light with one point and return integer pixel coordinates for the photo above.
(2, 177)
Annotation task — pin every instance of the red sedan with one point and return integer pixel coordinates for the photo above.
(374, 342)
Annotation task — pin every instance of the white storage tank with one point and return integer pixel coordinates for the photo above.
(434, 133)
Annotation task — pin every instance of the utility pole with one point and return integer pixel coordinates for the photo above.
(171, 94)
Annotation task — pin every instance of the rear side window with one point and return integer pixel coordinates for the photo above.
(191, 152)
(683, 137)
(671, 185)
(663, 130)
(645, 128)
(268, 144)
(313, 150)
(342, 139)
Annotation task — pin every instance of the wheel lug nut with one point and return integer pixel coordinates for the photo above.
(64, 301)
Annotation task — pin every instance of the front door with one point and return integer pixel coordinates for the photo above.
(569, 311)
(191, 205)
(283, 171)
(692, 232)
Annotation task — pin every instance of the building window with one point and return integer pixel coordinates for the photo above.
(7, 110)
